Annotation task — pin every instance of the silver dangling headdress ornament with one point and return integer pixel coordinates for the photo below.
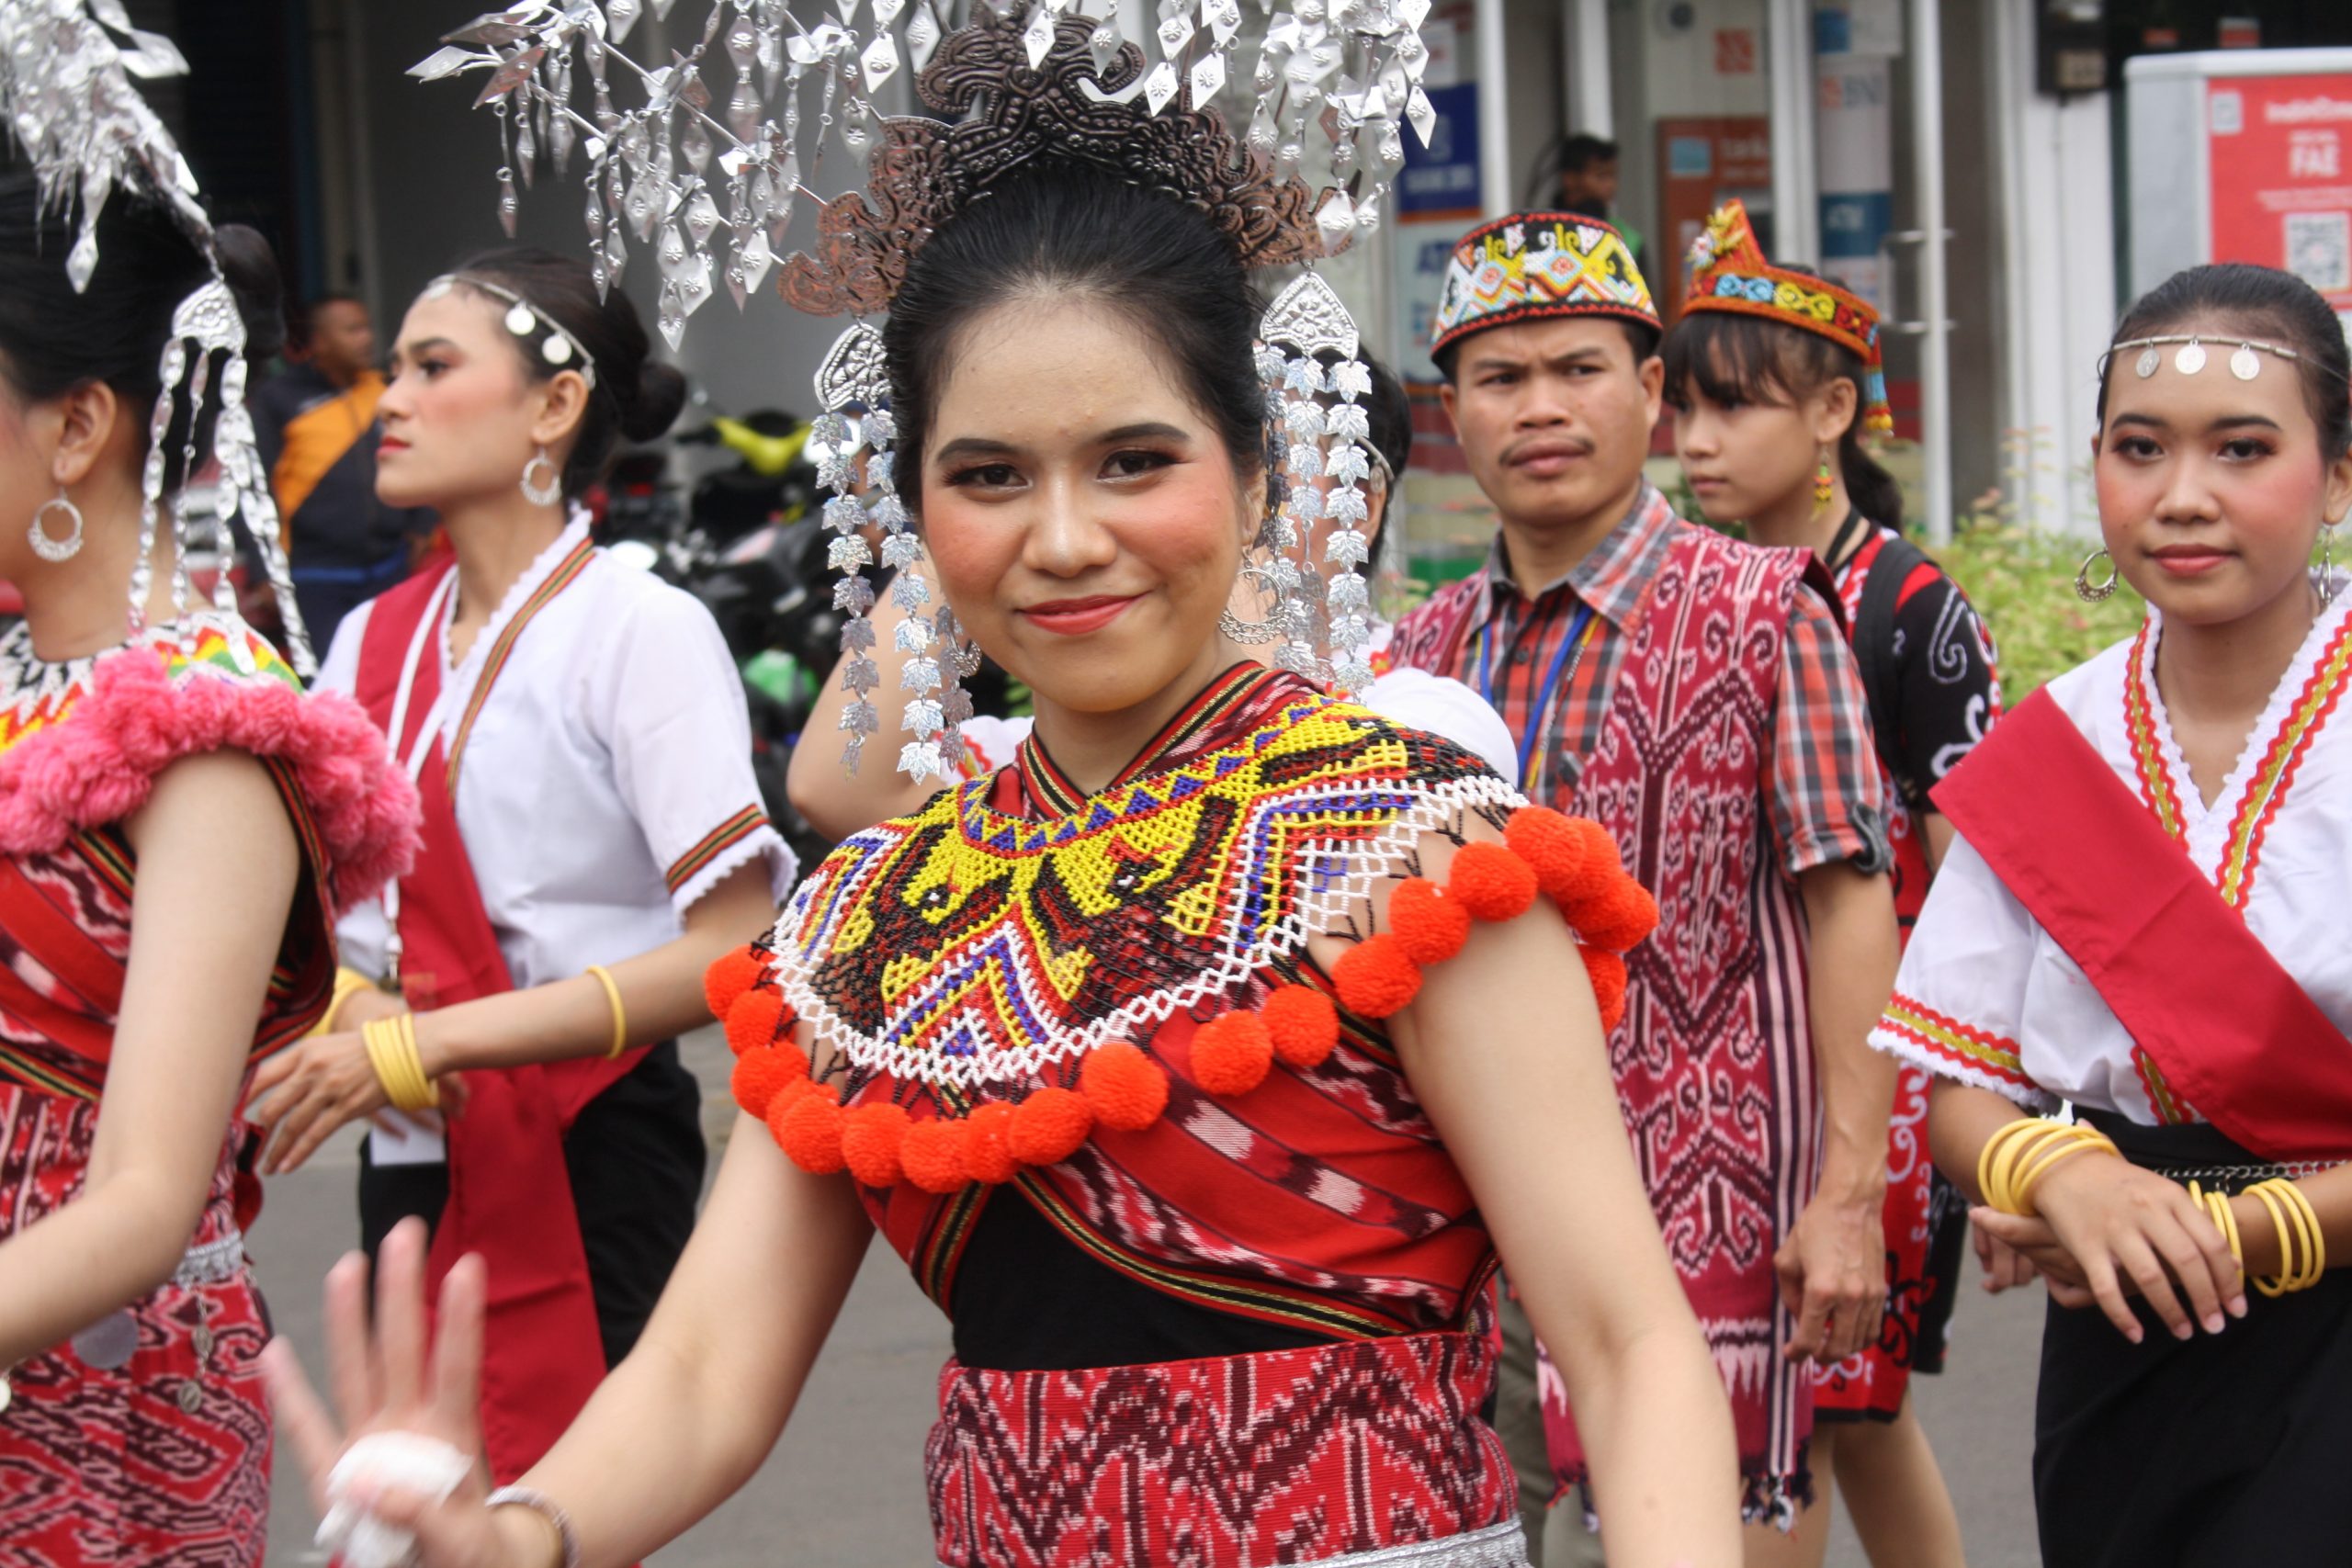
(700, 182)
(67, 91)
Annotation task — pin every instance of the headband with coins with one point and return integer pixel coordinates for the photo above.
(547, 339)
(2246, 359)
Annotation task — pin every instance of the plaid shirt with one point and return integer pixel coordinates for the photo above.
(1827, 798)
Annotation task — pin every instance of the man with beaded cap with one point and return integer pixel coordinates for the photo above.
(1695, 696)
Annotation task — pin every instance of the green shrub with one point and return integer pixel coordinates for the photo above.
(2022, 583)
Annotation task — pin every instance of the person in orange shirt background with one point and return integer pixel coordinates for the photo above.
(316, 424)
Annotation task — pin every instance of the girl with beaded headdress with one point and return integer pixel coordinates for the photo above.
(180, 824)
(593, 837)
(1775, 378)
(1198, 1061)
(2139, 918)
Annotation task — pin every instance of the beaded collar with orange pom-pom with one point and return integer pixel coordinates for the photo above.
(1119, 1085)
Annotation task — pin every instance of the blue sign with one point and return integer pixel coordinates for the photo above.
(1442, 179)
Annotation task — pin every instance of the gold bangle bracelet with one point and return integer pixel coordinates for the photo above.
(1993, 1161)
(400, 1064)
(2276, 1285)
(620, 1013)
(348, 983)
(2300, 1266)
(2041, 1166)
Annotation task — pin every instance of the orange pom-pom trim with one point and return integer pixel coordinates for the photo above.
(755, 1019)
(810, 1134)
(780, 1104)
(1601, 867)
(733, 974)
(872, 1136)
(1125, 1088)
(759, 1074)
(1607, 973)
(1232, 1052)
(1304, 1024)
(1491, 883)
(1376, 978)
(1431, 923)
(1049, 1126)
(1617, 920)
(988, 1149)
(934, 1154)
(1552, 847)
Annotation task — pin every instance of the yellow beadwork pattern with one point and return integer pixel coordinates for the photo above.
(962, 947)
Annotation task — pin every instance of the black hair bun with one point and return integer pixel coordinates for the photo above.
(251, 271)
(652, 407)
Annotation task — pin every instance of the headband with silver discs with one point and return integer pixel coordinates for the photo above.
(2246, 362)
(559, 348)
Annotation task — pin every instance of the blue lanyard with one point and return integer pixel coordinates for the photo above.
(1562, 661)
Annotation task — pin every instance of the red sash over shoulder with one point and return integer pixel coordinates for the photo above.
(2255, 1056)
(509, 1194)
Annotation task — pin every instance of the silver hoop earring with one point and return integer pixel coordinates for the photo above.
(2327, 583)
(545, 494)
(1255, 634)
(66, 548)
(2091, 593)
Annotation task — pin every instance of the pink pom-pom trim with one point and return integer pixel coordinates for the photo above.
(99, 763)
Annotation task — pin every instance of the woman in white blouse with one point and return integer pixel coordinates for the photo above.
(594, 839)
(2143, 917)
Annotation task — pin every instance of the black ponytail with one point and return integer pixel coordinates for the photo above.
(54, 339)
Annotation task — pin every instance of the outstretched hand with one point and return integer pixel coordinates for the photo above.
(384, 1379)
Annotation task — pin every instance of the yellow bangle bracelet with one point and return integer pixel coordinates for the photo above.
(347, 984)
(620, 1013)
(2022, 1155)
(400, 1064)
(2301, 1266)
(2017, 1155)
(2032, 1177)
(2216, 1207)
(2276, 1285)
(1992, 1163)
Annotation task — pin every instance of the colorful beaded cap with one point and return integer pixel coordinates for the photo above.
(1531, 265)
(1001, 969)
(1729, 272)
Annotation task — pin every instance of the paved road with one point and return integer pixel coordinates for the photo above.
(844, 1487)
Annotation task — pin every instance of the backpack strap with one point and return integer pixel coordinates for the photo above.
(1874, 651)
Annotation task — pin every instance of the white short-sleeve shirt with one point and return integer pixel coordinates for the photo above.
(1986, 997)
(606, 782)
